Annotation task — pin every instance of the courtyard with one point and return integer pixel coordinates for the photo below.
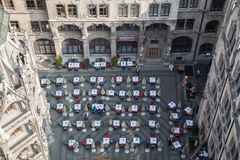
(115, 114)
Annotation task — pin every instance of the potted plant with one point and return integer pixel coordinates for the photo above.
(86, 63)
(58, 61)
(114, 62)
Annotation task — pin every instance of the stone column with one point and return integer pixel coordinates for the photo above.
(113, 41)
(141, 46)
(85, 42)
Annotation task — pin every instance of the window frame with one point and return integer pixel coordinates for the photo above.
(60, 8)
(43, 44)
(165, 9)
(103, 10)
(134, 10)
(31, 3)
(35, 26)
(9, 4)
(72, 46)
(183, 3)
(72, 11)
(41, 5)
(153, 10)
(99, 46)
(122, 10)
(16, 25)
(92, 11)
(188, 22)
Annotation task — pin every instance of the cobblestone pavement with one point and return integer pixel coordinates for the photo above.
(170, 91)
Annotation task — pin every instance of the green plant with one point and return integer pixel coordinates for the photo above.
(86, 63)
(114, 62)
(58, 61)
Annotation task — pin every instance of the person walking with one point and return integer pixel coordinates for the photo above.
(137, 69)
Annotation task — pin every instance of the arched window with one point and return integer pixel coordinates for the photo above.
(156, 27)
(134, 10)
(72, 46)
(44, 46)
(153, 10)
(217, 5)
(212, 27)
(98, 27)
(72, 10)
(181, 44)
(60, 10)
(103, 10)
(92, 10)
(99, 45)
(205, 49)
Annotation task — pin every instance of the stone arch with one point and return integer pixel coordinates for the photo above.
(205, 49)
(72, 46)
(99, 46)
(181, 44)
(212, 26)
(44, 46)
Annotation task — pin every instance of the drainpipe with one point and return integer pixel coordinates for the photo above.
(200, 29)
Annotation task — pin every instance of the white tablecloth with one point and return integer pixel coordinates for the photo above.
(136, 140)
(97, 123)
(176, 145)
(123, 63)
(76, 79)
(94, 92)
(71, 142)
(97, 64)
(65, 123)
(79, 123)
(129, 63)
(152, 80)
(89, 141)
(152, 108)
(122, 93)
(174, 115)
(100, 79)
(153, 93)
(77, 106)
(93, 79)
(76, 91)
(189, 122)
(119, 79)
(151, 123)
(116, 123)
(59, 106)
(59, 80)
(153, 140)
(122, 140)
(135, 79)
(136, 93)
(111, 92)
(118, 107)
(43, 81)
(133, 123)
(106, 140)
(58, 93)
(172, 105)
(188, 110)
(134, 108)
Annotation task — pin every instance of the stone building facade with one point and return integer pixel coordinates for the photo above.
(146, 30)
(23, 119)
(219, 110)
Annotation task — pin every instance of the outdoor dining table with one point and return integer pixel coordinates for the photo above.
(177, 131)
(77, 107)
(152, 93)
(76, 80)
(122, 142)
(152, 80)
(133, 124)
(176, 145)
(188, 111)
(111, 92)
(98, 107)
(122, 93)
(174, 116)
(116, 124)
(65, 124)
(97, 65)
(71, 142)
(93, 79)
(118, 108)
(152, 108)
(152, 124)
(94, 92)
(89, 142)
(100, 79)
(97, 124)
(189, 123)
(79, 125)
(134, 108)
(153, 141)
(172, 105)
(59, 107)
(123, 64)
(58, 94)
(136, 140)
(135, 79)
(73, 65)
(43, 81)
(59, 80)
(106, 141)
(119, 79)
(136, 94)
(76, 93)
(129, 64)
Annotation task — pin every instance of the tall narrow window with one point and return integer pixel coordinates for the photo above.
(189, 24)
(183, 4)
(9, 4)
(92, 10)
(193, 4)
(35, 26)
(30, 4)
(134, 10)
(60, 10)
(41, 5)
(72, 46)
(180, 24)
(165, 9)
(14, 25)
(123, 10)
(153, 10)
(72, 11)
(103, 10)
(45, 26)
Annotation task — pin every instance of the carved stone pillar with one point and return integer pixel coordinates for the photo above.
(141, 46)
(113, 41)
